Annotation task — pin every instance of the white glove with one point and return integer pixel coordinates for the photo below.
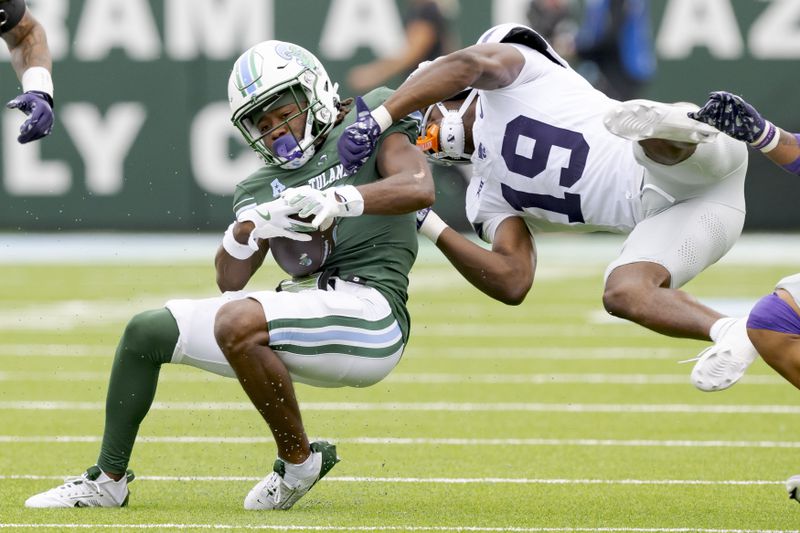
(325, 205)
(272, 220)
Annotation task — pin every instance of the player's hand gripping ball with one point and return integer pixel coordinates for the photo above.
(301, 258)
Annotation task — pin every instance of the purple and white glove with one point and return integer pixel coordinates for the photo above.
(38, 106)
(359, 139)
(731, 115)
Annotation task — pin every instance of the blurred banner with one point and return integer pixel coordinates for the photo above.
(143, 139)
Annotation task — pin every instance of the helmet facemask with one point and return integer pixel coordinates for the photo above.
(292, 149)
(444, 143)
(274, 74)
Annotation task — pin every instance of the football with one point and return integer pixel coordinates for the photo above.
(301, 258)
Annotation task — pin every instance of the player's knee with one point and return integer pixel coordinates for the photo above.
(622, 299)
(152, 334)
(238, 324)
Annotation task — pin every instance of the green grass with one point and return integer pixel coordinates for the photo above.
(542, 468)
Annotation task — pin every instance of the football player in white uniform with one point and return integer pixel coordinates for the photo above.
(30, 57)
(774, 322)
(550, 153)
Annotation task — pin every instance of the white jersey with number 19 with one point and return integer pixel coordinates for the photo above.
(543, 153)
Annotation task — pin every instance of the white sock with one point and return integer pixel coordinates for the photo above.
(720, 327)
(309, 468)
(117, 489)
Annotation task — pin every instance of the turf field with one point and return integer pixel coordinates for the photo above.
(545, 417)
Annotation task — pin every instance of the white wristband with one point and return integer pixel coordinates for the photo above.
(351, 200)
(234, 248)
(37, 79)
(382, 117)
(773, 143)
(432, 227)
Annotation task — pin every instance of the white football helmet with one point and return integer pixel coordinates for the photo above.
(278, 72)
(444, 143)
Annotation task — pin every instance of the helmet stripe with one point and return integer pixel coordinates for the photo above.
(239, 83)
(245, 74)
(254, 70)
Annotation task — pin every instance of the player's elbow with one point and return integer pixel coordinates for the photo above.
(514, 288)
(225, 284)
(421, 194)
(516, 293)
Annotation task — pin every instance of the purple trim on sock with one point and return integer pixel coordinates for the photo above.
(794, 166)
(772, 313)
(771, 131)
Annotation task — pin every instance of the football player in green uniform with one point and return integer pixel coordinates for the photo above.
(344, 324)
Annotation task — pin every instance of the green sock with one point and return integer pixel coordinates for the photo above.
(148, 342)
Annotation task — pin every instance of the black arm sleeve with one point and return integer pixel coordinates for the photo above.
(11, 12)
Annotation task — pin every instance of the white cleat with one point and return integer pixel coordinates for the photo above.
(792, 484)
(275, 492)
(93, 489)
(723, 364)
(637, 120)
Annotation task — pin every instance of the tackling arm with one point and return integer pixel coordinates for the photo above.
(485, 66)
(733, 116)
(506, 271)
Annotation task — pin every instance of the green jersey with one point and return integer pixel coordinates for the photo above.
(379, 249)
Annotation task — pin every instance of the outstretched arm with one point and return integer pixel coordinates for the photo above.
(31, 60)
(732, 115)
(482, 66)
(505, 272)
(27, 43)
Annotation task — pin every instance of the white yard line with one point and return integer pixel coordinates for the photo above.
(454, 351)
(548, 352)
(449, 480)
(584, 379)
(14, 376)
(269, 527)
(413, 378)
(434, 406)
(55, 350)
(419, 441)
